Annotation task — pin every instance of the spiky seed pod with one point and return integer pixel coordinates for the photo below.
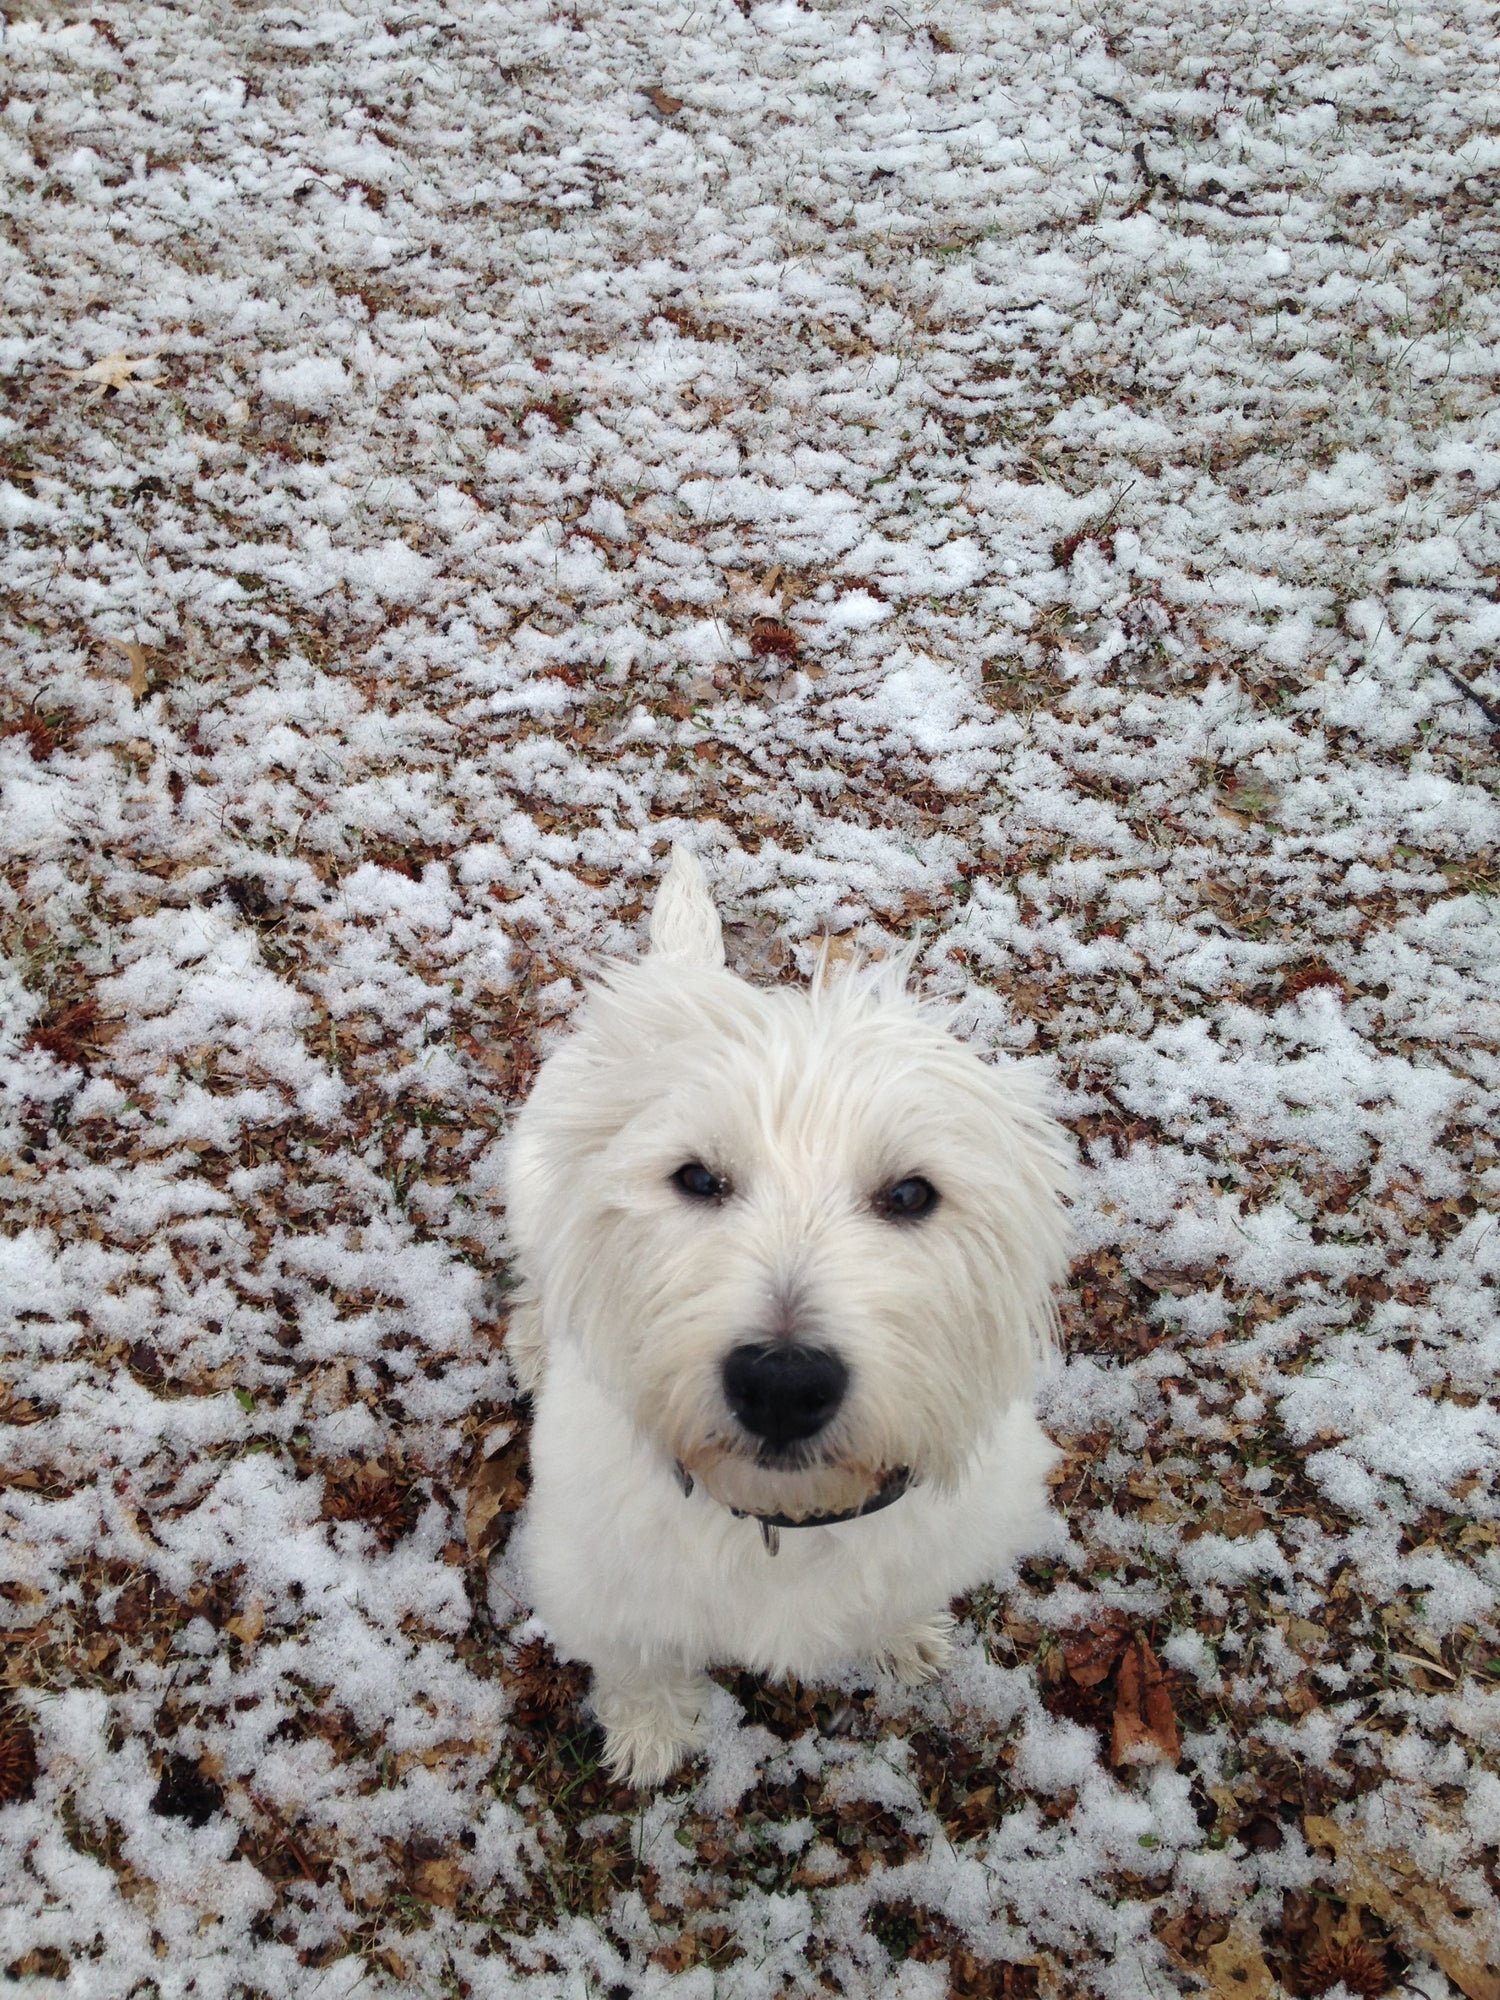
(1354, 1963)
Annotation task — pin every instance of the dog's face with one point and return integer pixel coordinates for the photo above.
(806, 1238)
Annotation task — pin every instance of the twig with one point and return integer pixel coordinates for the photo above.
(1490, 709)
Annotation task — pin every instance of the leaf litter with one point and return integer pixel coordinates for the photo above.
(1026, 485)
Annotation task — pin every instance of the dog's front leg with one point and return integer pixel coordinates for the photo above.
(654, 1714)
(919, 1651)
(525, 1346)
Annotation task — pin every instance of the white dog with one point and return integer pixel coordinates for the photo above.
(787, 1260)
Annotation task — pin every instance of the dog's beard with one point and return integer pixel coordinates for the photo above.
(801, 1488)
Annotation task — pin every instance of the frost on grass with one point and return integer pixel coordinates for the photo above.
(1025, 481)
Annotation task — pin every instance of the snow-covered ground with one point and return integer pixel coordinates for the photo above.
(1028, 477)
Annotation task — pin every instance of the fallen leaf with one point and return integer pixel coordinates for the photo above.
(1174, 1283)
(72, 1032)
(44, 1961)
(1090, 1657)
(840, 951)
(769, 635)
(496, 1491)
(113, 373)
(665, 102)
(1236, 1968)
(1246, 799)
(1238, 1523)
(140, 664)
(1145, 1728)
(247, 1625)
(441, 1882)
(1303, 1634)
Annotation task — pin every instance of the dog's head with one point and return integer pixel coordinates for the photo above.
(805, 1237)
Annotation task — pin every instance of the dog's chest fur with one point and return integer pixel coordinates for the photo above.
(620, 1555)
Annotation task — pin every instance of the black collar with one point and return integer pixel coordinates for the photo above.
(890, 1490)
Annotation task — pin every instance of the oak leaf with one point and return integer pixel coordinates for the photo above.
(113, 372)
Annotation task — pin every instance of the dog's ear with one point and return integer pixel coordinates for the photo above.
(684, 922)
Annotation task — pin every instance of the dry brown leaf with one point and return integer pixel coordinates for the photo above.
(1236, 1968)
(843, 950)
(140, 664)
(381, 1497)
(1388, 1884)
(496, 1491)
(1090, 1657)
(1240, 1522)
(44, 1961)
(1247, 797)
(1145, 1728)
(247, 1625)
(441, 1882)
(1303, 1634)
(113, 372)
(665, 102)
(1177, 1284)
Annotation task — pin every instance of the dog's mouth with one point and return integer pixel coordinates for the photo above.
(793, 1482)
(800, 1457)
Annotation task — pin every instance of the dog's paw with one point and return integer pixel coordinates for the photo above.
(921, 1652)
(650, 1727)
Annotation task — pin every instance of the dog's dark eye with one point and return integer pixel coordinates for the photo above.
(701, 1182)
(905, 1200)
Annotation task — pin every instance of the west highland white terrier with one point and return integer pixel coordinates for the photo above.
(787, 1262)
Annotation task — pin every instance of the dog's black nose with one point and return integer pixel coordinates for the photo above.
(784, 1394)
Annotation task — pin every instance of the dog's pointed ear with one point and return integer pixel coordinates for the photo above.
(684, 922)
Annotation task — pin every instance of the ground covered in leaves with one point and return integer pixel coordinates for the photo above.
(1027, 478)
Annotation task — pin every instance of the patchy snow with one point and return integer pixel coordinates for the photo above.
(1006, 478)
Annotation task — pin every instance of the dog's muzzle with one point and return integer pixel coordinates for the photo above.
(786, 1393)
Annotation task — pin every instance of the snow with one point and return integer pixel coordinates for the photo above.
(1003, 482)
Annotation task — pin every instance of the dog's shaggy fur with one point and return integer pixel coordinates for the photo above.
(780, 1250)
